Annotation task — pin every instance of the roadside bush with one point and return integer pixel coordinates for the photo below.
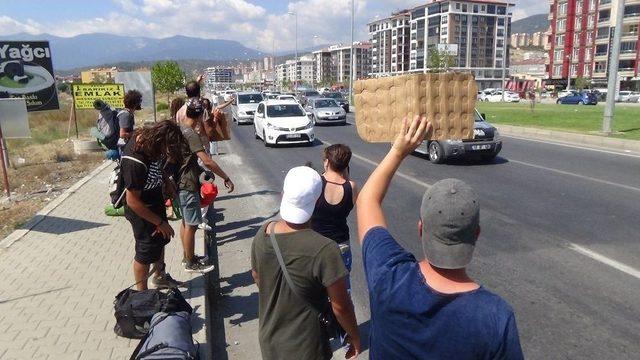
(162, 106)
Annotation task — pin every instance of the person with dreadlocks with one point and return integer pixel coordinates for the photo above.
(142, 166)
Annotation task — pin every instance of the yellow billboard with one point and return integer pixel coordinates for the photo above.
(85, 94)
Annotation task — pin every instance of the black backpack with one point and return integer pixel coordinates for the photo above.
(109, 127)
(116, 183)
(134, 309)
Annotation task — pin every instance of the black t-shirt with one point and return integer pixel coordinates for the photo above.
(146, 178)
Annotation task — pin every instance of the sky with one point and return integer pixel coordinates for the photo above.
(259, 24)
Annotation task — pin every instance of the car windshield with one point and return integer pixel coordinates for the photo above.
(249, 98)
(325, 103)
(285, 110)
(477, 117)
(334, 95)
(311, 93)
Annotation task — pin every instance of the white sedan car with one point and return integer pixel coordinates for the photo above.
(283, 122)
(509, 96)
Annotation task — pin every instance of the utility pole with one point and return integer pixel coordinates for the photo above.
(570, 57)
(352, 67)
(295, 77)
(612, 76)
(506, 49)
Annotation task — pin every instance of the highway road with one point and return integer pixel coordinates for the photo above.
(560, 233)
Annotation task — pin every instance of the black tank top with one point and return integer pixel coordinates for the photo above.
(331, 220)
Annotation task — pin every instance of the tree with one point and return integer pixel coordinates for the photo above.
(286, 84)
(167, 77)
(582, 83)
(63, 87)
(440, 61)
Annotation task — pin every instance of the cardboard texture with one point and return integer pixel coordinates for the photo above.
(447, 100)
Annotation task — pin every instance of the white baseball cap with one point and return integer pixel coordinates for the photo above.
(301, 190)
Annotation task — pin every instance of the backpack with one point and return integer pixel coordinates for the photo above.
(116, 183)
(169, 337)
(134, 309)
(109, 127)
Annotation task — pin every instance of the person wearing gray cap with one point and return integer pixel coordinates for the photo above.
(429, 309)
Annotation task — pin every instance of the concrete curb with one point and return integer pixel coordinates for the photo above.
(572, 138)
(52, 205)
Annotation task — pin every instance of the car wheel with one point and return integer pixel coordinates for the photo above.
(255, 132)
(580, 102)
(436, 153)
(558, 102)
(264, 138)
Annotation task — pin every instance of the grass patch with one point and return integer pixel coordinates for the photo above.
(573, 118)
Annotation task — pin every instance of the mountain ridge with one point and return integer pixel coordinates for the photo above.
(531, 24)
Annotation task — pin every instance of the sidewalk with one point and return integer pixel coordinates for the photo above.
(59, 281)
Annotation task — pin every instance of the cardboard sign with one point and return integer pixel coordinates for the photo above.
(447, 100)
(141, 81)
(85, 94)
(26, 72)
(14, 120)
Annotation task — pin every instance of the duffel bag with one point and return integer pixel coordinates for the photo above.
(168, 338)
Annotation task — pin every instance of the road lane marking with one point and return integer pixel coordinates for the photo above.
(605, 260)
(560, 143)
(574, 247)
(584, 177)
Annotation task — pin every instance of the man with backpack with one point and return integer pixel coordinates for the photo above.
(429, 309)
(189, 185)
(126, 118)
(143, 178)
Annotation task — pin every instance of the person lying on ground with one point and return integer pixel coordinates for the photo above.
(142, 165)
(289, 325)
(189, 186)
(429, 309)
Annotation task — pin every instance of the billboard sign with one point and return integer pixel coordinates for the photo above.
(14, 121)
(26, 72)
(449, 49)
(141, 81)
(85, 94)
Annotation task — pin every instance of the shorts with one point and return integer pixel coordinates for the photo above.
(148, 247)
(190, 206)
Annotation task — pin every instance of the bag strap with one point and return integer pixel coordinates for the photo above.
(136, 160)
(283, 267)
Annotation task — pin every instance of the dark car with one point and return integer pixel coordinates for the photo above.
(339, 98)
(579, 98)
(305, 95)
(486, 143)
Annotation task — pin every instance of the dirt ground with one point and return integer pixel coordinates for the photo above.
(39, 174)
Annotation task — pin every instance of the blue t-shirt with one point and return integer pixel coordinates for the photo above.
(410, 320)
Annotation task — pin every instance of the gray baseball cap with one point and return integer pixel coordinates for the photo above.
(450, 215)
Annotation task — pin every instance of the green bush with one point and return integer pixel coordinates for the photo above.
(162, 106)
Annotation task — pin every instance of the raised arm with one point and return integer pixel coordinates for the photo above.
(369, 204)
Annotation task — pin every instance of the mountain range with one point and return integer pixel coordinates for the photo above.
(96, 49)
(531, 24)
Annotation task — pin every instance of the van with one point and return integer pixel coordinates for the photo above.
(244, 106)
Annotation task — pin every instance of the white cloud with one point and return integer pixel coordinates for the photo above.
(12, 26)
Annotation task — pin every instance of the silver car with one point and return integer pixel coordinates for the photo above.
(326, 111)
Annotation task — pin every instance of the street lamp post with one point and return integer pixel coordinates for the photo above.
(570, 57)
(295, 77)
(352, 65)
(613, 71)
(505, 49)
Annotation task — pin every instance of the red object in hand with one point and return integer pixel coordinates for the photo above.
(208, 193)
(167, 203)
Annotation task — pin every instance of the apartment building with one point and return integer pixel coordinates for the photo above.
(390, 39)
(325, 73)
(581, 37)
(218, 78)
(519, 40)
(302, 71)
(333, 64)
(539, 39)
(480, 29)
(100, 75)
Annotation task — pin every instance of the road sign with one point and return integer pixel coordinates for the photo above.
(85, 94)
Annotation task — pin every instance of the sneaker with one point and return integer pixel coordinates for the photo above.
(198, 266)
(165, 281)
(202, 259)
(205, 227)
